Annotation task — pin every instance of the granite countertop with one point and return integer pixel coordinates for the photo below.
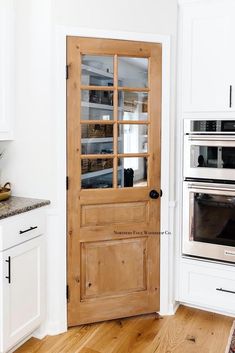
(16, 205)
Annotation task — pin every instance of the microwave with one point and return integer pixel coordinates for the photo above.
(209, 149)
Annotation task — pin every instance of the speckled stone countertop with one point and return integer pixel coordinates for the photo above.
(16, 205)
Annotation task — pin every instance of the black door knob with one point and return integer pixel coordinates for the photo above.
(154, 194)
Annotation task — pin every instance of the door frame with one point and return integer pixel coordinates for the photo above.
(167, 306)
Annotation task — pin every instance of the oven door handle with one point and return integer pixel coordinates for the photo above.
(211, 138)
(196, 186)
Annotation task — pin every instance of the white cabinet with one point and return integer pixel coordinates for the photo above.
(22, 291)
(207, 56)
(22, 279)
(7, 64)
(207, 285)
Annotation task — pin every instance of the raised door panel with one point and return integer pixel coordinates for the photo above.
(129, 212)
(110, 268)
(23, 292)
(207, 56)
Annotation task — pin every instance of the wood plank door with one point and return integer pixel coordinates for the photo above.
(113, 119)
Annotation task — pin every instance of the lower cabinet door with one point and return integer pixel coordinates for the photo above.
(209, 285)
(22, 291)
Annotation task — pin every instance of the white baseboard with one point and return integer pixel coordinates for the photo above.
(56, 328)
(171, 310)
(175, 307)
(12, 350)
(40, 333)
(212, 310)
(50, 329)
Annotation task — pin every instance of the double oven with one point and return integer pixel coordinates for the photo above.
(209, 189)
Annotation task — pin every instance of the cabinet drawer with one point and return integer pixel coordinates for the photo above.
(17, 229)
(208, 287)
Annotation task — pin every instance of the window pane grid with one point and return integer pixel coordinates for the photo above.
(114, 161)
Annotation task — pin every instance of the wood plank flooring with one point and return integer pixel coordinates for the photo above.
(189, 331)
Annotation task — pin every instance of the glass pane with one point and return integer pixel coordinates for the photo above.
(133, 138)
(97, 173)
(97, 105)
(214, 219)
(213, 157)
(133, 72)
(97, 70)
(132, 172)
(97, 139)
(133, 105)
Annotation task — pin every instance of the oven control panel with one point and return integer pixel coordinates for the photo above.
(209, 126)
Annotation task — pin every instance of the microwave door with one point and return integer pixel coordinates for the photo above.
(208, 158)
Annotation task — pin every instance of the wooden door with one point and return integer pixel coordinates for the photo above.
(114, 117)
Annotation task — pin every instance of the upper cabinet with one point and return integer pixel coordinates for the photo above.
(207, 56)
(6, 69)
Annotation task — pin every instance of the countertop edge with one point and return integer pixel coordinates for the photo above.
(23, 209)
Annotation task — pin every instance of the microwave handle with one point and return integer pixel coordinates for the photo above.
(196, 186)
(230, 96)
(211, 138)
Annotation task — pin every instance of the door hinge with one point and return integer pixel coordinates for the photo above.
(67, 72)
(67, 293)
(67, 183)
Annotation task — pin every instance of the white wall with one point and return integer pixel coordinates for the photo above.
(31, 163)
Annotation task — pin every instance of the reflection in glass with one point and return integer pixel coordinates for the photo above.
(213, 157)
(133, 138)
(97, 138)
(97, 173)
(133, 105)
(214, 219)
(133, 172)
(97, 105)
(133, 72)
(97, 70)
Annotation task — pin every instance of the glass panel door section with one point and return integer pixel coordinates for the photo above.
(133, 72)
(133, 105)
(133, 172)
(114, 120)
(134, 138)
(97, 70)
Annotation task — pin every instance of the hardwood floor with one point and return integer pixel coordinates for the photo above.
(189, 331)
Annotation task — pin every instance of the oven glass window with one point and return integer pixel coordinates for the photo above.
(213, 219)
(212, 157)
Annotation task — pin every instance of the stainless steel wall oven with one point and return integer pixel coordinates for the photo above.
(209, 189)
